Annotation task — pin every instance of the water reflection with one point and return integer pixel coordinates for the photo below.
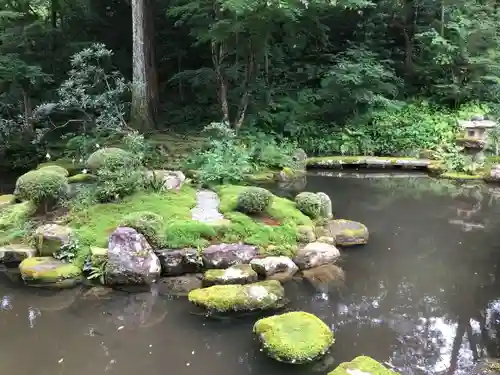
(423, 296)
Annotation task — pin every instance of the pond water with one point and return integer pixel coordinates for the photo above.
(423, 295)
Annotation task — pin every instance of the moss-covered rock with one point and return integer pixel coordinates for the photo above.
(309, 204)
(294, 337)
(362, 365)
(81, 178)
(49, 272)
(306, 233)
(49, 238)
(348, 232)
(6, 200)
(260, 296)
(239, 274)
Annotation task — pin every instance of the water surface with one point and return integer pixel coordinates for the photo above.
(423, 295)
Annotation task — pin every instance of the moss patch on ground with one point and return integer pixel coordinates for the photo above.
(94, 224)
(273, 240)
(294, 337)
(362, 365)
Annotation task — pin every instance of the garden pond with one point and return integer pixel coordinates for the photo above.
(422, 296)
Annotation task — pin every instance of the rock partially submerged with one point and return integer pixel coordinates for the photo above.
(131, 260)
(270, 266)
(316, 254)
(362, 365)
(227, 255)
(348, 232)
(49, 238)
(180, 285)
(294, 337)
(15, 253)
(49, 272)
(179, 262)
(239, 274)
(265, 295)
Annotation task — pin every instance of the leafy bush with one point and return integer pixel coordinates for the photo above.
(56, 169)
(100, 157)
(254, 200)
(41, 186)
(147, 223)
(223, 160)
(120, 175)
(309, 204)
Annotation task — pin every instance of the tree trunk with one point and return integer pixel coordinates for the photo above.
(218, 54)
(142, 116)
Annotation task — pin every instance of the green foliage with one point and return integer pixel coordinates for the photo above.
(147, 223)
(101, 157)
(309, 204)
(254, 200)
(188, 233)
(41, 186)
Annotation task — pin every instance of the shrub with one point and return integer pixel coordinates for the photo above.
(120, 175)
(41, 186)
(309, 204)
(254, 200)
(56, 169)
(147, 223)
(100, 157)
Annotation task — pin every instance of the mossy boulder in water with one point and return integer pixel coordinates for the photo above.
(50, 272)
(239, 274)
(260, 296)
(362, 365)
(294, 337)
(270, 266)
(16, 253)
(49, 238)
(348, 232)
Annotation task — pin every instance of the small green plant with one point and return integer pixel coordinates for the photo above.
(309, 204)
(254, 200)
(98, 272)
(42, 186)
(68, 251)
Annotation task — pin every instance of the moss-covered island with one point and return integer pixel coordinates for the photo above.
(294, 337)
(362, 365)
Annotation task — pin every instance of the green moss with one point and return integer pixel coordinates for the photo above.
(56, 168)
(460, 176)
(360, 365)
(98, 255)
(232, 298)
(47, 271)
(294, 337)
(95, 224)
(81, 177)
(188, 233)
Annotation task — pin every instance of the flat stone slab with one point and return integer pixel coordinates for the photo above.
(367, 162)
(207, 207)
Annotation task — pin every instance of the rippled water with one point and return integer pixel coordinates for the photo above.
(423, 295)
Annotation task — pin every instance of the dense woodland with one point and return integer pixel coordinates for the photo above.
(381, 77)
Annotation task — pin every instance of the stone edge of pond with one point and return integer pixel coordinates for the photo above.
(431, 167)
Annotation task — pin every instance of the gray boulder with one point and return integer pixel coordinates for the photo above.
(270, 266)
(180, 285)
(316, 254)
(131, 260)
(16, 253)
(227, 255)
(179, 262)
(49, 238)
(170, 179)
